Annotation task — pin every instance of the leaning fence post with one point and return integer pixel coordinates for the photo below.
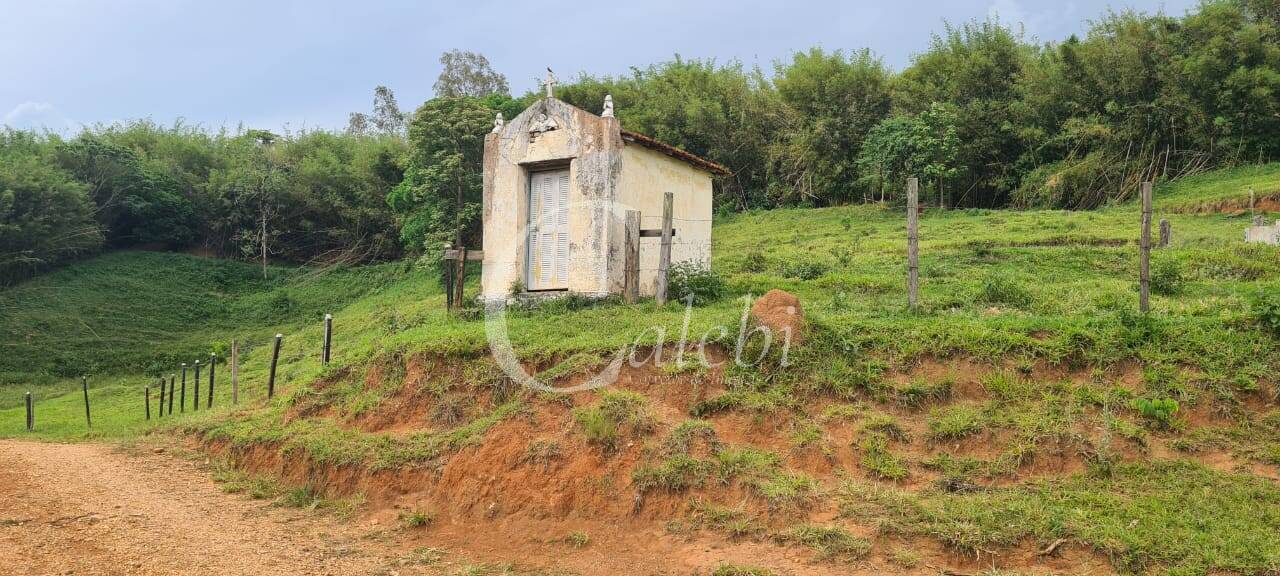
(235, 372)
(1166, 234)
(664, 250)
(213, 360)
(913, 243)
(631, 267)
(195, 396)
(182, 402)
(148, 394)
(1144, 272)
(31, 414)
(172, 378)
(328, 338)
(88, 420)
(275, 358)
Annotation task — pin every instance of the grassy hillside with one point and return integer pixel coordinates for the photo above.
(932, 424)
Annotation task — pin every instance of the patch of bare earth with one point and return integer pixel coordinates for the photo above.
(87, 509)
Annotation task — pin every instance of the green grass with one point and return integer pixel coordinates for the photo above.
(1015, 289)
(1168, 514)
(127, 317)
(828, 542)
(618, 414)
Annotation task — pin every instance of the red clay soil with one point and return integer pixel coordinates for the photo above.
(780, 311)
(494, 502)
(90, 509)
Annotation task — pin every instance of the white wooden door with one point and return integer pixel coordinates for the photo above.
(548, 266)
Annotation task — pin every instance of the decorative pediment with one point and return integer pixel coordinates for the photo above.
(542, 123)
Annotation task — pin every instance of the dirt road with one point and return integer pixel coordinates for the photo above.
(93, 509)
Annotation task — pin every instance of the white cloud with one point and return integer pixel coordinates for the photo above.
(38, 115)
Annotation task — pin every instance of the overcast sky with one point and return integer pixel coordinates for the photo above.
(308, 64)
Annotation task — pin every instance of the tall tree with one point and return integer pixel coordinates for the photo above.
(46, 217)
(835, 100)
(468, 73)
(439, 198)
(976, 68)
(387, 117)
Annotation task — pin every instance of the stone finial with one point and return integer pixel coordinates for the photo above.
(498, 123)
(608, 106)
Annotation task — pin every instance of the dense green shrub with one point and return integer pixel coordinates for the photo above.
(803, 270)
(1266, 310)
(694, 279)
(1166, 276)
(1158, 411)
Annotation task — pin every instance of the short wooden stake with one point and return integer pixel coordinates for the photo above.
(235, 372)
(913, 243)
(1144, 272)
(182, 402)
(172, 378)
(195, 396)
(88, 420)
(1166, 233)
(213, 360)
(328, 338)
(148, 394)
(31, 414)
(275, 359)
(664, 250)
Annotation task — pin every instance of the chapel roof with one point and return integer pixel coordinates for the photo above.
(677, 153)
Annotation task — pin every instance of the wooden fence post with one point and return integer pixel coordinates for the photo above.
(195, 396)
(913, 243)
(631, 267)
(328, 338)
(172, 379)
(160, 412)
(1166, 233)
(664, 252)
(235, 372)
(182, 402)
(88, 420)
(213, 359)
(148, 394)
(1144, 272)
(460, 278)
(275, 359)
(31, 414)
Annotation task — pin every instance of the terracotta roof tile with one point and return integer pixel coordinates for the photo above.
(672, 151)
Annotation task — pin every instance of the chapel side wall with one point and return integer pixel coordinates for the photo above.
(646, 175)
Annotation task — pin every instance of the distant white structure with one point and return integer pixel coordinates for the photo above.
(1260, 233)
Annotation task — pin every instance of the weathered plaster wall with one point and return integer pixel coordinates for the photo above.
(646, 175)
(591, 147)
